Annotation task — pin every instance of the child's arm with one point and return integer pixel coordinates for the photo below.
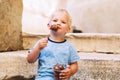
(33, 55)
(69, 71)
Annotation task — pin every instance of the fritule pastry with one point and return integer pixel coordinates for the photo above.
(54, 28)
(57, 69)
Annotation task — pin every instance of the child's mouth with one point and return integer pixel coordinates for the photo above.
(54, 28)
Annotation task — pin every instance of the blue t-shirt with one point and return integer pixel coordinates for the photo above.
(55, 52)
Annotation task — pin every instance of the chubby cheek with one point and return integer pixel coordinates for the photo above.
(65, 30)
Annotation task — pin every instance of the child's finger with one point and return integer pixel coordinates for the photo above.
(68, 66)
(45, 40)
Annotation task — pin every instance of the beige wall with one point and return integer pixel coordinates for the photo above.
(101, 16)
(36, 15)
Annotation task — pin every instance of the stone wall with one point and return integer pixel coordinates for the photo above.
(10, 25)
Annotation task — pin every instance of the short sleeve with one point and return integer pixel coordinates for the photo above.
(73, 55)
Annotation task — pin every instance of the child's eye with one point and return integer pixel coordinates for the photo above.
(63, 22)
(54, 20)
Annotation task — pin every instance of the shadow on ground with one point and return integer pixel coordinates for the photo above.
(20, 78)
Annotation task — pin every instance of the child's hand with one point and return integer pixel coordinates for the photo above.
(42, 43)
(65, 74)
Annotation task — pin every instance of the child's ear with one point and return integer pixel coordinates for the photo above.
(68, 30)
(48, 25)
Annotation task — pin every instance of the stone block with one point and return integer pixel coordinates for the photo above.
(92, 66)
(10, 25)
(14, 65)
(84, 42)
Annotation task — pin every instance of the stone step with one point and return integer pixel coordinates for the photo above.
(92, 66)
(14, 64)
(84, 42)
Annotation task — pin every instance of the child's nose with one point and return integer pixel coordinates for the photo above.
(58, 24)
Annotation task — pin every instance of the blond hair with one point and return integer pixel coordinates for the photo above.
(64, 11)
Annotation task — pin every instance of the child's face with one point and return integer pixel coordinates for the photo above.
(60, 19)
